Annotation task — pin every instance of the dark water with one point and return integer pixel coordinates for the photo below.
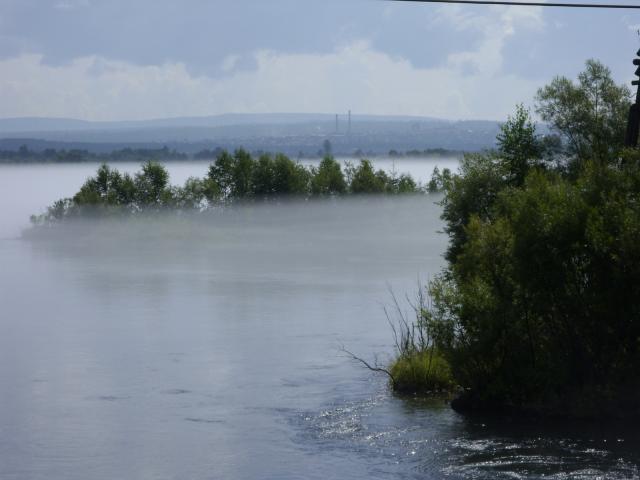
(169, 348)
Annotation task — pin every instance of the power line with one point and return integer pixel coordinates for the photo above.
(528, 4)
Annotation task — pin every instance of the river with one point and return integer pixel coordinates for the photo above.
(180, 348)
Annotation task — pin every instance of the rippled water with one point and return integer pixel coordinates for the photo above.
(173, 348)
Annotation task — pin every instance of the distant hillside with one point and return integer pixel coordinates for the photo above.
(290, 133)
(43, 124)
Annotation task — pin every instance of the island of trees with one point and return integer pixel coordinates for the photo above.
(231, 178)
(538, 307)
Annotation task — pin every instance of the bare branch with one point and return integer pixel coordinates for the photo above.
(374, 368)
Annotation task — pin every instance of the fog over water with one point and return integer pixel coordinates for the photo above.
(173, 347)
(29, 189)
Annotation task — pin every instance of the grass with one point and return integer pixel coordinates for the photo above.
(418, 368)
(421, 372)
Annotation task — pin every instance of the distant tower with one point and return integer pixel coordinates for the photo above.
(349, 127)
(336, 123)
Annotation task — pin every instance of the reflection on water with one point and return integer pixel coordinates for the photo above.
(171, 348)
(414, 438)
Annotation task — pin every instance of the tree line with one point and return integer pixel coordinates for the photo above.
(51, 155)
(24, 154)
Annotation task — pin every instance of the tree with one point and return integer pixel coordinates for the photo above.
(327, 148)
(108, 188)
(152, 185)
(472, 192)
(518, 146)
(221, 173)
(263, 174)
(365, 180)
(242, 173)
(289, 177)
(192, 195)
(328, 179)
(590, 115)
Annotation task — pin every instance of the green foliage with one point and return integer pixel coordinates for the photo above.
(263, 176)
(221, 173)
(590, 115)
(541, 299)
(328, 178)
(290, 178)
(398, 184)
(192, 196)
(108, 188)
(365, 180)
(439, 180)
(518, 146)
(422, 372)
(418, 367)
(241, 175)
(230, 178)
(472, 192)
(51, 155)
(537, 307)
(152, 185)
(403, 184)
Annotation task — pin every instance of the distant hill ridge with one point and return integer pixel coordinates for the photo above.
(39, 124)
(290, 133)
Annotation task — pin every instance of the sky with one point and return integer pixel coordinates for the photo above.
(144, 59)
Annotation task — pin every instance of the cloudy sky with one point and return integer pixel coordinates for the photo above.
(141, 59)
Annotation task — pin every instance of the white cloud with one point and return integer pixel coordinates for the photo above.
(471, 84)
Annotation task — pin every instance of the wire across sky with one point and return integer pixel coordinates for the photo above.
(530, 4)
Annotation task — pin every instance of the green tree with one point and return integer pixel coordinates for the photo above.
(472, 192)
(289, 177)
(365, 180)
(263, 175)
(590, 115)
(518, 146)
(328, 178)
(192, 195)
(242, 174)
(107, 188)
(152, 185)
(405, 184)
(221, 173)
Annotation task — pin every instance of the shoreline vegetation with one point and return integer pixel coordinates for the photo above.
(233, 177)
(26, 155)
(537, 310)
